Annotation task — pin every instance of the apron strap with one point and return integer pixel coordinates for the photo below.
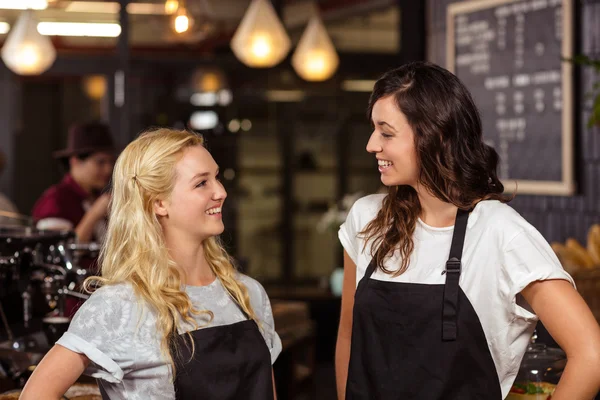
(235, 301)
(453, 266)
(365, 279)
(370, 269)
(238, 305)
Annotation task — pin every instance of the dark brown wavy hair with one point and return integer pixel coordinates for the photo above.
(455, 165)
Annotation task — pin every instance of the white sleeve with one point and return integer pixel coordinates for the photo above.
(264, 313)
(348, 233)
(528, 258)
(101, 331)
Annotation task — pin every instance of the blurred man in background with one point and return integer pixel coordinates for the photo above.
(78, 202)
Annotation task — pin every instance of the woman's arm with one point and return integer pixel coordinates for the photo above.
(85, 229)
(55, 374)
(342, 350)
(571, 323)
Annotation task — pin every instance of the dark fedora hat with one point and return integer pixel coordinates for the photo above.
(89, 137)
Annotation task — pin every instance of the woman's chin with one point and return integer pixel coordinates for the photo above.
(391, 181)
(211, 233)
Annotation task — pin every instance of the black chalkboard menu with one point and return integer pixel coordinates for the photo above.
(508, 53)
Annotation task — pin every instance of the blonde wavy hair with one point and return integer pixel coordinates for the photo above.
(135, 251)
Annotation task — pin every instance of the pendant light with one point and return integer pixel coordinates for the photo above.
(182, 20)
(315, 58)
(26, 51)
(171, 6)
(260, 40)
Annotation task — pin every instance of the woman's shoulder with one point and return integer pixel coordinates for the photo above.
(365, 209)
(370, 203)
(255, 289)
(110, 310)
(111, 298)
(502, 218)
(259, 299)
(114, 293)
(258, 295)
(495, 209)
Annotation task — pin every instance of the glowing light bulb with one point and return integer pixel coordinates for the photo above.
(171, 6)
(316, 62)
(26, 51)
(260, 46)
(260, 40)
(182, 23)
(28, 56)
(315, 58)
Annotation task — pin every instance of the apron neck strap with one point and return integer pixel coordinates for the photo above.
(453, 267)
(458, 237)
(456, 249)
(370, 269)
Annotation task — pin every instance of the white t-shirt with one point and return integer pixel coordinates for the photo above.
(502, 254)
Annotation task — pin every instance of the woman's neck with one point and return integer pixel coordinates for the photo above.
(436, 212)
(190, 258)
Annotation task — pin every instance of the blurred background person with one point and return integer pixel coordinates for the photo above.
(78, 202)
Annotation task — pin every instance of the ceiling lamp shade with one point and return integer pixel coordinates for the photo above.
(26, 51)
(315, 58)
(260, 40)
(182, 20)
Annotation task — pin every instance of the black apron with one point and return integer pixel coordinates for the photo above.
(419, 341)
(230, 362)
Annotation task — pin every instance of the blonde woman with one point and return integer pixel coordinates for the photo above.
(172, 319)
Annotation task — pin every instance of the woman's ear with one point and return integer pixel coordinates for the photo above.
(160, 208)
